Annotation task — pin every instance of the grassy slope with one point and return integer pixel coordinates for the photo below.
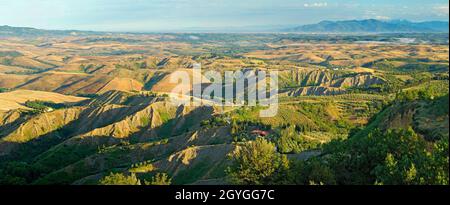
(16, 99)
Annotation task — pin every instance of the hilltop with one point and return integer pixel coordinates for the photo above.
(17, 99)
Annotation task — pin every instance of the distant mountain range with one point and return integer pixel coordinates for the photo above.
(373, 26)
(7, 31)
(351, 26)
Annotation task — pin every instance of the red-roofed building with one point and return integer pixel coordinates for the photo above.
(260, 133)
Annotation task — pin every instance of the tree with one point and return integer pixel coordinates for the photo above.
(19, 173)
(257, 163)
(234, 127)
(4, 90)
(160, 179)
(396, 157)
(409, 161)
(120, 179)
(311, 172)
(290, 141)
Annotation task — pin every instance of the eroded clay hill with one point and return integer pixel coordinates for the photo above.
(87, 137)
(307, 82)
(134, 133)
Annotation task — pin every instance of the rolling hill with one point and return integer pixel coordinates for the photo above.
(16, 99)
(333, 88)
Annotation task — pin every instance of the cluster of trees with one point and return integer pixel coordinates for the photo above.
(291, 140)
(19, 173)
(10, 54)
(396, 157)
(88, 95)
(424, 67)
(138, 96)
(214, 122)
(240, 130)
(6, 61)
(409, 65)
(122, 179)
(428, 93)
(257, 163)
(43, 106)
(136, 64)
(392, 157)
(3, 90)
(321, 120)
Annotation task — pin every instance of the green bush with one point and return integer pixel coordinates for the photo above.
(291, 141)
(4, 90)
(42, 106)
(257, 163)
(160, 179)
(398, 157)
(120, 179)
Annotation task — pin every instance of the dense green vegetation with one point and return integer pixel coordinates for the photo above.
(257, 163)
(394, 157)
(2, 90)
(408, 65)
(291, 140)
(398, 157)
(6, 61)
(159, 179)
(426, 91)
(43, 106)
(121, 179)
(10, 54)
(19, 173)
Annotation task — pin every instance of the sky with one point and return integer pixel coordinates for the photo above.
(167, 15)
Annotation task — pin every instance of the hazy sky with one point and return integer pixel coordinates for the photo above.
(157, 15)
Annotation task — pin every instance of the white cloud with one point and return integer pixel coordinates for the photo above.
(316, 5)
(442, 10)
(383, 18)
(369, 14)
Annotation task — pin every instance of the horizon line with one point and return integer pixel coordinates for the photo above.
(209, 29)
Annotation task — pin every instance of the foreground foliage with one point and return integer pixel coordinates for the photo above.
(257, 163)
(398, 157)
(120, 179)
